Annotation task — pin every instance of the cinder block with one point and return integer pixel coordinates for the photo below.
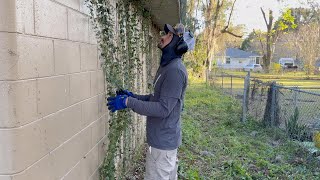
(35, 57)
(8, 55)
(50, 19)
(61, 126)
(17, 16)
(98, 131)
(101, 82)
(25, 57)
(23, 147)
(78, 26)
(107, 122)
(7, 16)
(75, 173)
(89, 111)
(90, 163)
(74, 4)
(102, 107)
(57, 163)
(53, 94)
(84, 7)
(5, 177)
(101, 61)
(40, 170)
(95, 175)
(97, 82)
(25, 16)
(92, 33)
(89, 57)
(67, 57)
(79, 87)
(86, 167)
(102, 148)
(70, 153)
(18, 103)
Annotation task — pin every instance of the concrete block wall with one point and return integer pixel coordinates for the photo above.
(53, 118)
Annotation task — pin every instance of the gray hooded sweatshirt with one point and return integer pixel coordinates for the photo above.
(164, 106)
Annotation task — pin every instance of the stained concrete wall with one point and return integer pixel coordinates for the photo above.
(53, 118)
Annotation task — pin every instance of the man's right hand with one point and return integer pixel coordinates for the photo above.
(125, 92)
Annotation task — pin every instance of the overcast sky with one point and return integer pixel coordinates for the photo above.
(248, 12)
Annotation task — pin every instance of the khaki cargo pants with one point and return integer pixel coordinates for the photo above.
(161, 164)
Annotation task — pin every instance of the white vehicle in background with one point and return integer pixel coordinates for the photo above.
(286, 62)
(253, 67)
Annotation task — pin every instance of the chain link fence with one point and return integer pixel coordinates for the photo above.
(257, 100)
(294, 109)
(230, 84)
(300, 105)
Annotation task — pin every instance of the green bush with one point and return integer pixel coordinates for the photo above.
(295, 130)
(276, 68)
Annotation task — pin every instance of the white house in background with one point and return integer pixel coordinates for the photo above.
(234, 58)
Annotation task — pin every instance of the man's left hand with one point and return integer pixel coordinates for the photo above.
(125, 92)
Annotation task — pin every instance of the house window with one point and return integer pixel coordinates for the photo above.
(227, 60)
(257, 60)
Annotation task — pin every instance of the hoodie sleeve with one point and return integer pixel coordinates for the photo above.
(170, 93)
(160, 109)
(142, 97)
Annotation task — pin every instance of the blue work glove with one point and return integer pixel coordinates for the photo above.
(117, 103)
(125, 92)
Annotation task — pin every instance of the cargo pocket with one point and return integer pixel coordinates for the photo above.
(171, 156)
(155, 154)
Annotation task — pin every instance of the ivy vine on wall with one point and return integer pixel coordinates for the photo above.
(122, 31)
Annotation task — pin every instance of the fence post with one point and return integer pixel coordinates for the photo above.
(248, 90)
(245, 97)
(222, 81)
(207, 77)
(273, 103)
(231, 85)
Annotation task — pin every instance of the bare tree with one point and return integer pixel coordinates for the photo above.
(213, 10)
(274, 29)
(308, 43)
(270, 38)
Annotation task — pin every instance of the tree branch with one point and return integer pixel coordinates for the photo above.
(264, 17)
(216, 16)
(231, 33)
(270, 21)
(226, 27)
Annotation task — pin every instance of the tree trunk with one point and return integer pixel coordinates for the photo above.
(211, 55)
(268, 54)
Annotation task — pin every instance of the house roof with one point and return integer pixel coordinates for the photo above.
(237, 53)
(164, 12)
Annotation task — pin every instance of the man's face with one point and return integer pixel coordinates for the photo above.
(165, 40)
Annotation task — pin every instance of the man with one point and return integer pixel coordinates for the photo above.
(163, 107)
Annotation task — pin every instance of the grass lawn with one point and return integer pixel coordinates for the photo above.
(217, 146)
(287, 75)
(289, 79)
(308, 105)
